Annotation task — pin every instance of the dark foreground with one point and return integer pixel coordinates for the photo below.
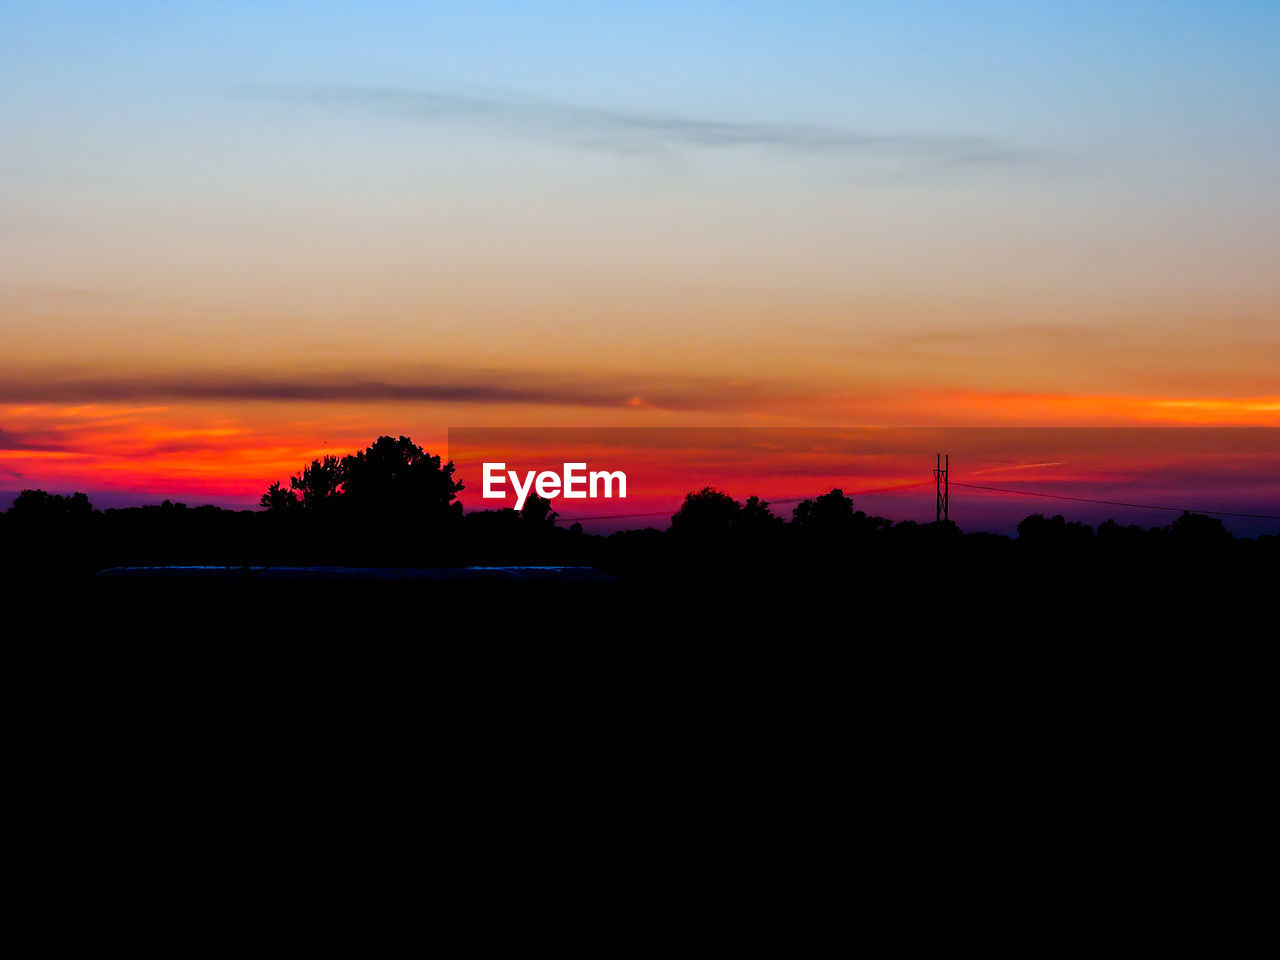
(974, 741)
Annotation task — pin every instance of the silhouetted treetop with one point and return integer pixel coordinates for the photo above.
(278, 499)
(705, 514)
(1198, 529)
(832, 510)
(37, 505)
(537, 512)
(756, 518)
(398, 475)
(320, 482)
(392, 476)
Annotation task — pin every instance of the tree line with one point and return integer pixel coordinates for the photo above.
(396, 504)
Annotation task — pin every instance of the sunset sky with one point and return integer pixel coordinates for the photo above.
(238, 235)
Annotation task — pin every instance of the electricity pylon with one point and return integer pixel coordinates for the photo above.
(942, 483)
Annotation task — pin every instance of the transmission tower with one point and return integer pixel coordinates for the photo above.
(943, 484)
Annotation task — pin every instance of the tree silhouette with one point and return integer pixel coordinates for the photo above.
(398, 476)
(756, 519)
(319, 483)
(41, 507)
(832, 511)
(278, 500)
(537, 513)
(1199, 530)
(706, 514)
(392, 476)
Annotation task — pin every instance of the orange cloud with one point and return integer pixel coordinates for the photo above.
(1006, 408)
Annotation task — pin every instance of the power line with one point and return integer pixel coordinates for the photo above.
(1118, 503)
(958, 483)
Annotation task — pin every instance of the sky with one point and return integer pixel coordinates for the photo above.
(235, 236)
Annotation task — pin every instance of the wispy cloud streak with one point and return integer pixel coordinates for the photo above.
(630, 132)
(438, 384)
